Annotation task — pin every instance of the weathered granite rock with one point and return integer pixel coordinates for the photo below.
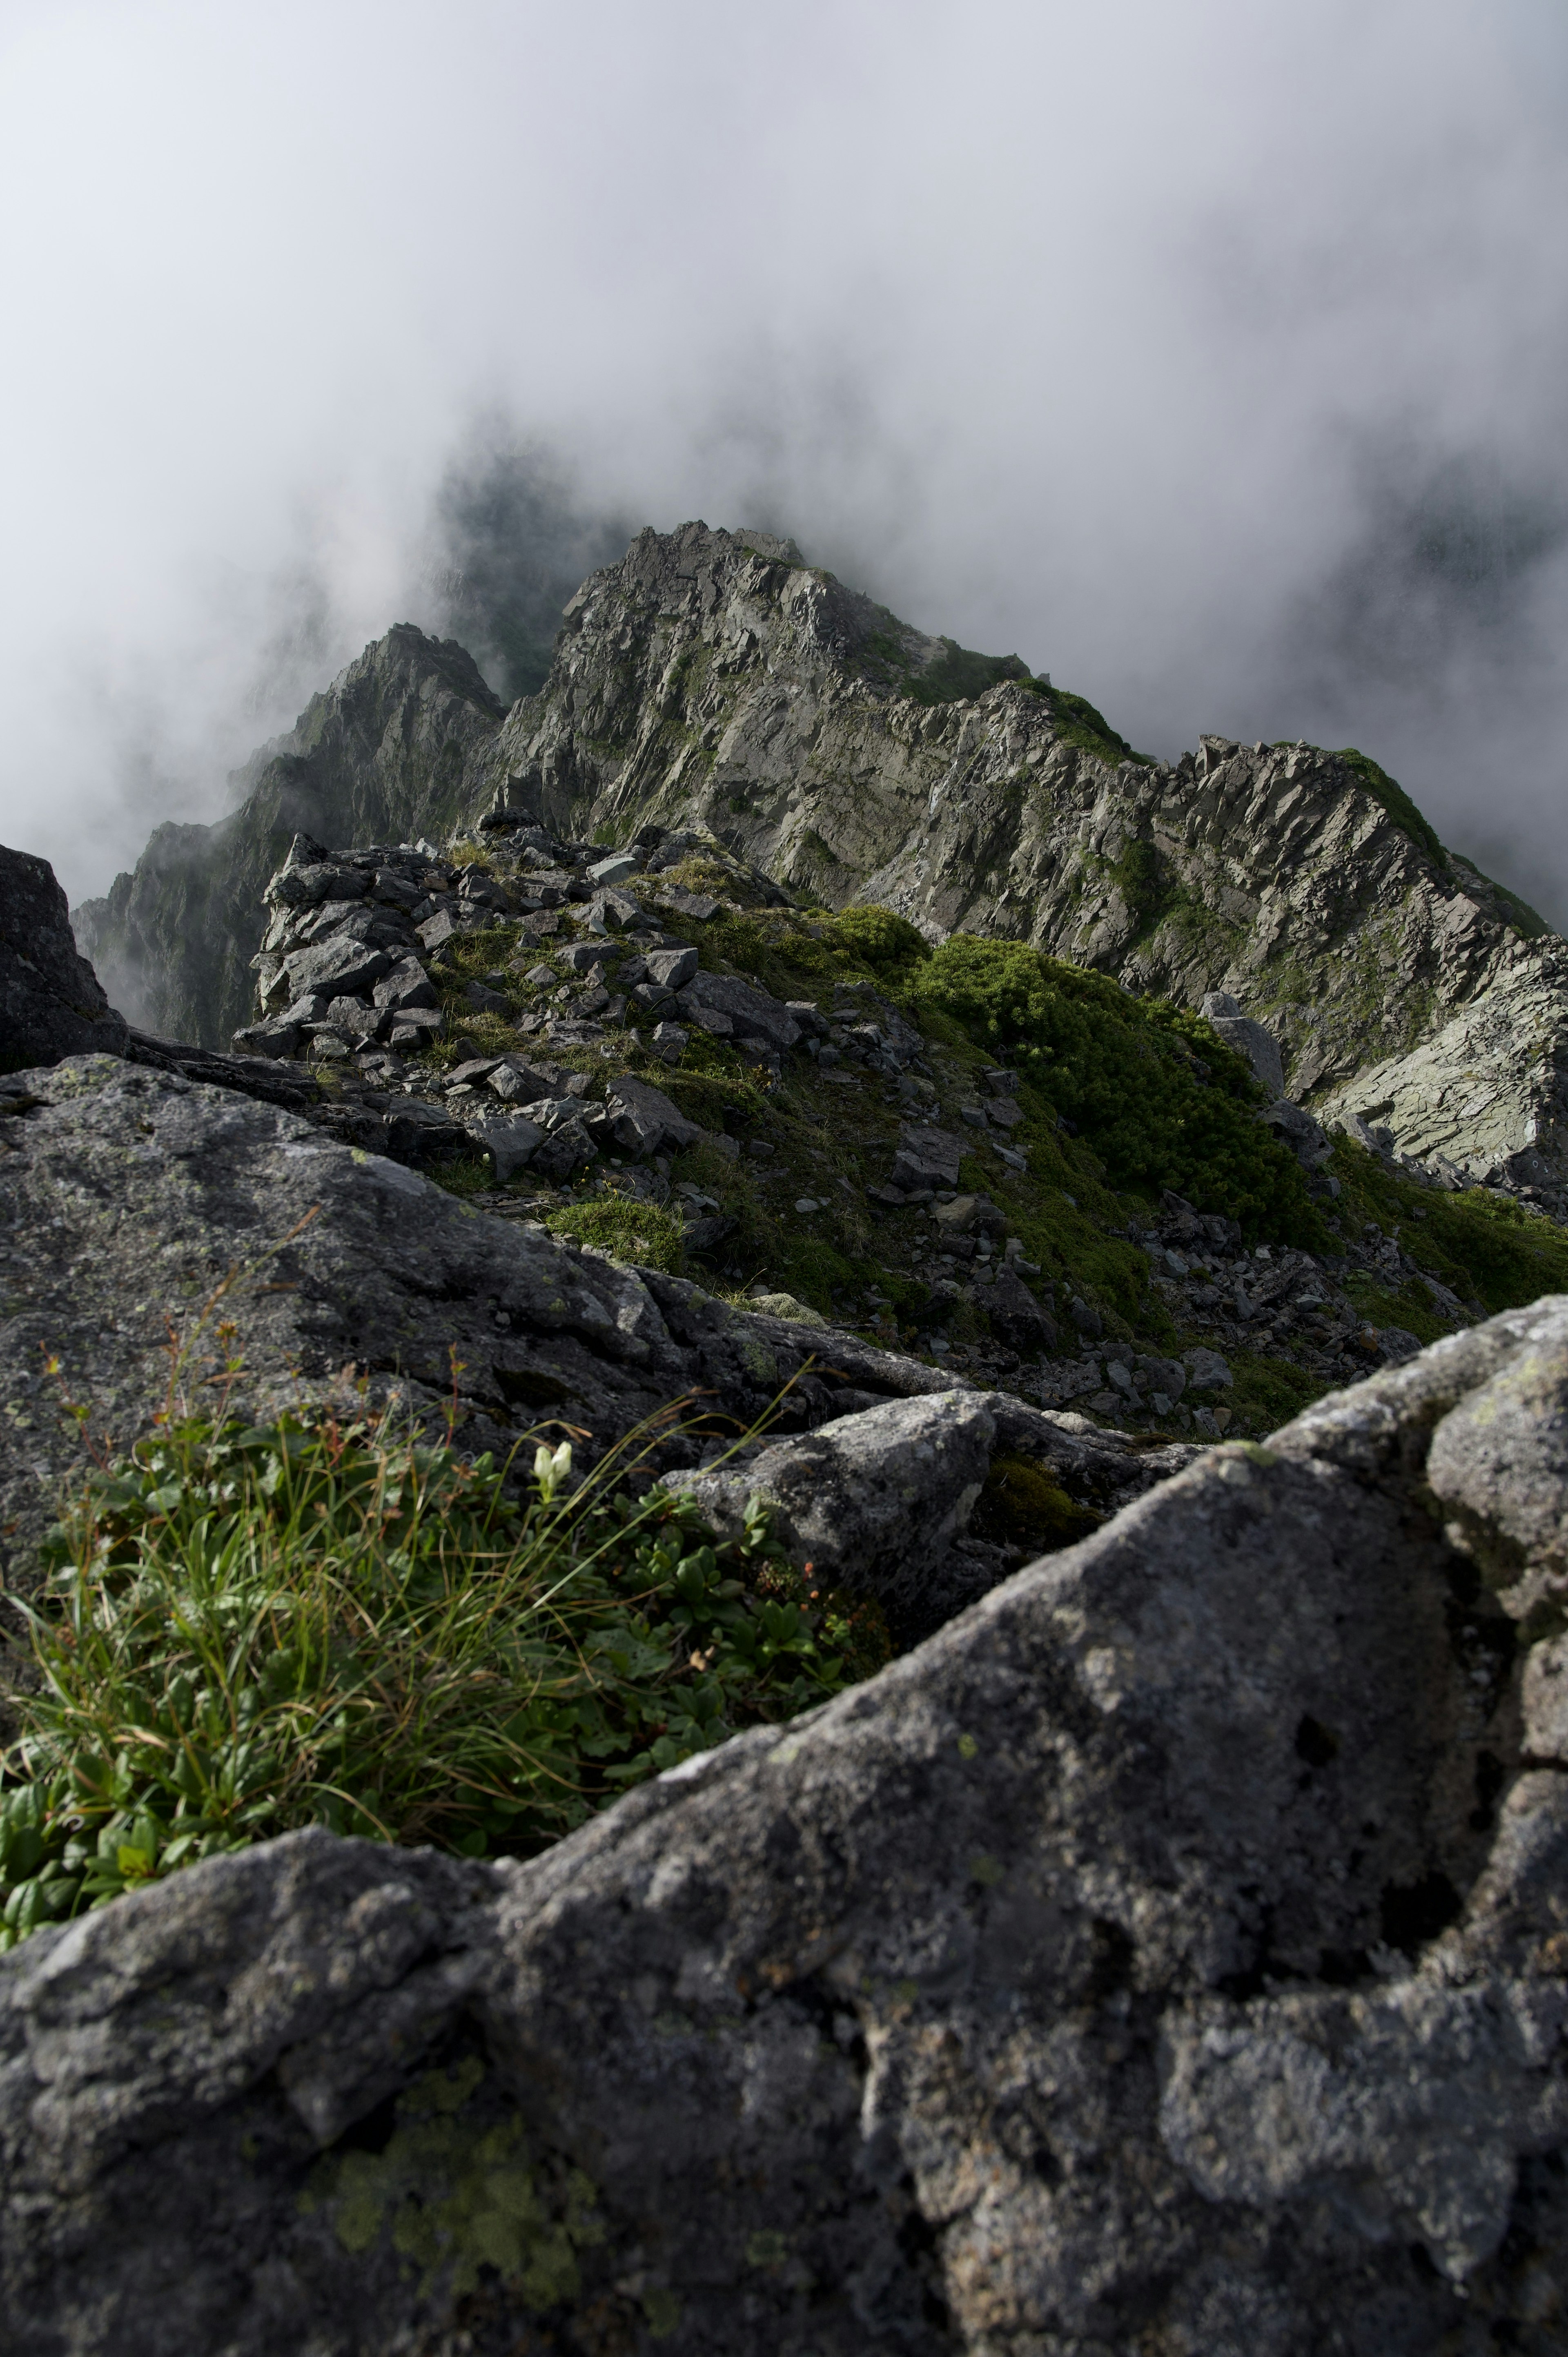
(1172, 1953)
(1488, 1093)
(51, 1002)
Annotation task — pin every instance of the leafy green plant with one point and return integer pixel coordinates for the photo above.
(878, 938)
(246, 1630)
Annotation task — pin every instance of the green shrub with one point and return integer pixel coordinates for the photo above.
(1490, 1250)
(1153, 1091)
(645, 1233)
(246, 1631)
(878, 938)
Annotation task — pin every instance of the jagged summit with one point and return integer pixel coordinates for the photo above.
(714, 681)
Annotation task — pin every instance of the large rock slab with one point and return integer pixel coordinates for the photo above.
(51, 1002)
(1487, 1095)
(1171, 1954)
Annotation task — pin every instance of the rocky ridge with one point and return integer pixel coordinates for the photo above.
(585, 979)
(710, 680)
(713, 681)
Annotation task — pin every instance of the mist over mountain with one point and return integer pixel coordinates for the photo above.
(1209, 359)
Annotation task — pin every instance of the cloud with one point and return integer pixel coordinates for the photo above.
(1209, 357)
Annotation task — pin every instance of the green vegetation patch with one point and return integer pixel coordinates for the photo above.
(638, 1233)
(1493, 1253)
(250, 1630)
(890, 660)
(1391, 797)
(1078, 722)
(1023, 1505)
(1153, 1090)
(888, 945)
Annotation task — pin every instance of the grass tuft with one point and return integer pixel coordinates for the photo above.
(250, 1630)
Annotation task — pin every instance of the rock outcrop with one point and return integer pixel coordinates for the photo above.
(1171, 1954)
(713, 681)
(136, 1204)
(51, 1002)
(707, 678)
(381, 754)
(1486, 1099)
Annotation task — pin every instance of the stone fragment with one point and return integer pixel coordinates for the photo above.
(614, 870)
(673, 967)
(1252, 1040)
(486, 1001)
(1015, 1316)
(278, 1036)
(511, 1140)
(646, 1121)
(407, 984)
(881, 1497)
(338, 966)
(438, 930)
(926, 1157)
(353, 1019)
(1207, 1370)
(751, 1013)
(417, 1024)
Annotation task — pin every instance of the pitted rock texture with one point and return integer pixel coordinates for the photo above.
(1172, 1953)
(51, 1002)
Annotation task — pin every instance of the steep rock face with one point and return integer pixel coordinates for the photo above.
(1487, 1097)
(1170, 1954)
(713, 676)
(51, 1002)
(379, 755)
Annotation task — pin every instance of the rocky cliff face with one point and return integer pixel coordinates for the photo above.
(51, 1002)
(713, 680)
(713, 677)
(380, 753)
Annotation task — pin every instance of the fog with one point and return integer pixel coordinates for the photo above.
(1210, 357)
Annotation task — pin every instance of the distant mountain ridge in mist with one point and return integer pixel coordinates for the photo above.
(384, 750)
(713, 678)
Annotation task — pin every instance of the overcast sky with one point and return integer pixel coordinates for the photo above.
(1211, 355)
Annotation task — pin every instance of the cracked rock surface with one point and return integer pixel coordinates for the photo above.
(1171, 1954)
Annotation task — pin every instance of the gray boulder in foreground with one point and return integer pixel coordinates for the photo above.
(1170, 1955)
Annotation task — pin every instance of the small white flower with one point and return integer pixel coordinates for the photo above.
(550, 1467)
